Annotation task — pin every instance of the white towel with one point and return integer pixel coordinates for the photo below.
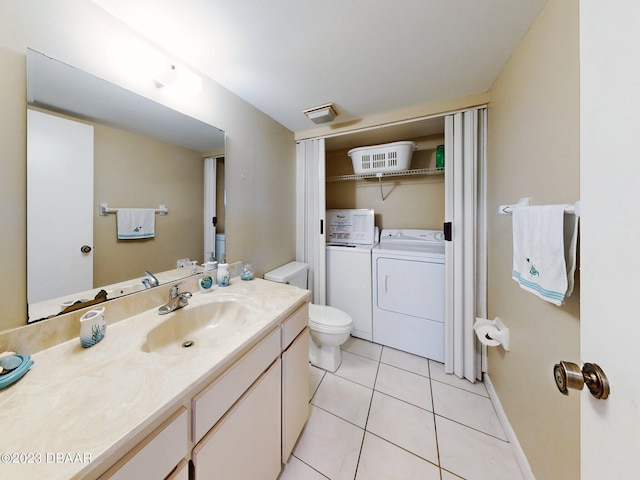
(544, 251)
(134, 223)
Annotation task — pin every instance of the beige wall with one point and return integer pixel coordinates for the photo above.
(409, 202)
(533, 150)
(260, 153)
(13, 215)
(139, 172)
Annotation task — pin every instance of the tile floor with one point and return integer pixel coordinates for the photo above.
(387, 414)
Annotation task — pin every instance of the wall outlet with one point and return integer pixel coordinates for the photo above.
(183, 262)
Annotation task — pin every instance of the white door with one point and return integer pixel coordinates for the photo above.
(465, 250)
(210, 165)
(310, 214)
(59, 206)
(610, 235)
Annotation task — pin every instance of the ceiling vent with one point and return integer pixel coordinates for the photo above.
(322, 114)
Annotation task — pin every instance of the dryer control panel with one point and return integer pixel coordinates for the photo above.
(408, 234)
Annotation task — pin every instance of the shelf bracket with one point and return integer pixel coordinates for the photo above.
(379, 175)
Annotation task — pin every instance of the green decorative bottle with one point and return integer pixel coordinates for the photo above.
(440, 156)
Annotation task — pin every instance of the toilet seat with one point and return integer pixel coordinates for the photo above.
(318, 327)
(325, 319)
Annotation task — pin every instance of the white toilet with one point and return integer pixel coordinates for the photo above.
(329, 327)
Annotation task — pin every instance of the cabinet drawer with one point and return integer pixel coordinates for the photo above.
(212, 402)
(293, 325)
(157, 455)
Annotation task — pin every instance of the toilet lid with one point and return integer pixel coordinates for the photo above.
(328, 316)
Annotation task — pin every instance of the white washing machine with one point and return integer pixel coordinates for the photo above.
(408, 291)
(349, 285)
(351, 235)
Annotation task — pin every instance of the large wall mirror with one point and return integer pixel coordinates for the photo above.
(90, 142)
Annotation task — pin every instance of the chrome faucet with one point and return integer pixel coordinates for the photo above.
(177, 299)
(150, 280)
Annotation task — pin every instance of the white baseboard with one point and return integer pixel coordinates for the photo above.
(508, 430)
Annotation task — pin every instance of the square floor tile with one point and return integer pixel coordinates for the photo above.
(296, 469)
(404, 425)
(404, 385)
(406, 361)
(330, 445)
(449, 476)
(475, 455)
(344, 398)
(358, 369)
(437, 373)
(363, 348)
(464, 407)
(381, 460)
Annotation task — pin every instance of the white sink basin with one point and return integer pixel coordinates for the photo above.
(197, 327)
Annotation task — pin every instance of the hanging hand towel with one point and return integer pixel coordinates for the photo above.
(134, 223)
(544, 251)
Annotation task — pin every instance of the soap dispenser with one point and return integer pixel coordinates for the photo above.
(207, 280)
(223, 275)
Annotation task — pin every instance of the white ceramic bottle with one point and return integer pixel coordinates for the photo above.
(207, 280)
(223, 275)
(92, 327)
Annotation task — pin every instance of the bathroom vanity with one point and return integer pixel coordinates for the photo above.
(141, 405)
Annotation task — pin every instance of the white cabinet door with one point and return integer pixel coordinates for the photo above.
(295, 392)
(245, 444)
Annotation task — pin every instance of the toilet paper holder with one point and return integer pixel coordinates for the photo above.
(492, 332)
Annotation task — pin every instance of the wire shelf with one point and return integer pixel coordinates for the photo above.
(402, 173)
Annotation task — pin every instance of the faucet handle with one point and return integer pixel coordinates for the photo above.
(150, 280)
(174, 291)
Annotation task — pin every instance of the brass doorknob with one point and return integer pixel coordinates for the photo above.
(570, 376)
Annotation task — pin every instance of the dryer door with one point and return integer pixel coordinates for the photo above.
(411, 287)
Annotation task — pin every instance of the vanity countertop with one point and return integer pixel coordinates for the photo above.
(77, 410)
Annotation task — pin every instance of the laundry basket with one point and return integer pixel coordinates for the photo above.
(389, 157)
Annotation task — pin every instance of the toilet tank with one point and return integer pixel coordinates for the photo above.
(293, 273)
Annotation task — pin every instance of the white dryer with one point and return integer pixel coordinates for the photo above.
(408, 291)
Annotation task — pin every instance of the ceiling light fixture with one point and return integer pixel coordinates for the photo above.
(321, 114)
(178, 79)
(149, 64)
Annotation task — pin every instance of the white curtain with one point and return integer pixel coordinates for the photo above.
(465, 253)
(310, 214)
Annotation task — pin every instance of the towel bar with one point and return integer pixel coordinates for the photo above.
(524, 202)
(105, 210)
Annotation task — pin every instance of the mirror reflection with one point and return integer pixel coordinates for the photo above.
(90, 142)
